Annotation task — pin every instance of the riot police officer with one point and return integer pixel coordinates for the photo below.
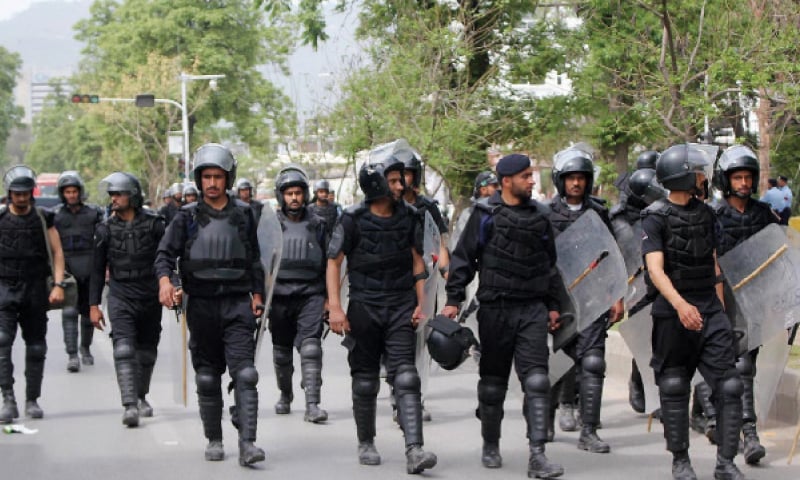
(75, 222)
(24, 266)
(171, 205)
(190, 193)
(382, 240)
(298, 301)
(690, 328)
(740, 216)
(246, 192)
(573, 176)
(485, 185)
(509, 240)
(125, 243)
(216, 241)
(322, 205)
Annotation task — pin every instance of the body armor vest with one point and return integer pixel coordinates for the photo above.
(561, 216)
(23, 252)
(329, 213)
(302, 257)
(515, 262)
(628, 210)
(382, 259)
(76, 231)
(218, 248)
(688, 244)
(737, 226)
(132, 246)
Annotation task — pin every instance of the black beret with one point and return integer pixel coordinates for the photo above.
(512, 164)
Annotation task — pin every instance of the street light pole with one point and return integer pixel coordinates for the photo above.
(185, 78)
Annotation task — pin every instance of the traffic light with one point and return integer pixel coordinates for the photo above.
(85, 98)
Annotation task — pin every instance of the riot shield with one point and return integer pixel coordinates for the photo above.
(461, 224)
(637, 332)
(629, 239)
(430, 255)
(771, 361)
(558, 363)
(763, 274)
(591, 267)
(270, 243)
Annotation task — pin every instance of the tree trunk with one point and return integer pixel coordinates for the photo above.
(763, 112)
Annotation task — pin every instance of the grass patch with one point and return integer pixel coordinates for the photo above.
(794, 357)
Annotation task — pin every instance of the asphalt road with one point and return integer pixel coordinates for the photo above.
(81, 436)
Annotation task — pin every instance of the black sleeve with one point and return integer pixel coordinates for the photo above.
(49, 217)
(555, 286)
(652, 240)
(171, 245)
(97, 280)
(464, 259)
(343, 237)
(437, 218)
(418, 235)
(258, 276)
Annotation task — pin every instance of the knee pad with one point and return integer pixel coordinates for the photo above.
(407, 379)
(311, 348)
(6, 340)
(35, 351)
(731, 386)
(207, 383)
(674, 384)
(537, 383)
(124, 350)
(282, 355)
(492, 391)
(366, 386)
(247, 377)
(745, 366)
(593, 363)
(69, 312)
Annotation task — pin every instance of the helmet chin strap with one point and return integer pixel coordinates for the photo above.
(741, 195)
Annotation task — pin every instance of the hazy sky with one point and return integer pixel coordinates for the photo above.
(9, 8)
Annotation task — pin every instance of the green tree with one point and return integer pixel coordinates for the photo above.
(10, 114)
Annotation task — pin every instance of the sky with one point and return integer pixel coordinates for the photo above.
(8, 8)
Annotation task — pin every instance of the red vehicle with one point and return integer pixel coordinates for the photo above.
(46, 191)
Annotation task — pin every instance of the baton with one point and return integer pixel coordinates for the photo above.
(761, 267)
(180, 317)
(591, 267)
(638, 272)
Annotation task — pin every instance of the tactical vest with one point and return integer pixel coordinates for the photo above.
(329, 213)
(561, 216)
(688, 244)
(515, 262)
(132, 246)
(738, 227)
(302, 257)
(630, 210)
(218, 248)
(23, 252)
(382, 259)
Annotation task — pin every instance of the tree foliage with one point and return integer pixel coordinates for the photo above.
(10, 114)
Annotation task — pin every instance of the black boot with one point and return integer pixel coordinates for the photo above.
(247, 407)
(282, 358)
(727, 470)
(636, 389)
(125, 364)
(146, 357)
(209, 401)
(491, 395)
(539, 466)
(365, 390)
(591, 386)
(673, 389)
(418, 460)
(409, 415)
(9, 411)
(311, 368)
(87, 333)
(69, 324)
(753, 450)
(682, 466)
(35, 354)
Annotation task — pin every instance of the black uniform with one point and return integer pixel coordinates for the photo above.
(382, 303)
(169, 211)
(128, 250)
(220, 268)
(76, 230)
(257, 207)
(514, 251)
(330, 213)
(677, 351)
(297, 309)
(24, 266)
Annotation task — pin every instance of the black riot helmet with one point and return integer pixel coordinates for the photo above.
(677, 167)
(382, 160)
(737, 157)
(123, 182)
(189, 189)
(322, 185)
(643, 187)
(573, 160)
(449, 342)
(244, 184)
(19, 178)
(412, 161)
(70, 178)
(291, 175)
(647, 159)
(216, 156)
(484, 179)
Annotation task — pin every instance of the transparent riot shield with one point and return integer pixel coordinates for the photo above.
(764, 275)
(270, 243)
(591, 266)
(637, 332)
(771, 361)
(431, 245)
(558, 363)
(629, 239)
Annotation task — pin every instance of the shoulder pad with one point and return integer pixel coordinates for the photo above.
(659, 207)
(719, 206)
(357, 209)
(542, 207)
(240, 204)
(483, 205)
(597, 204)
(56, 209)
(762, 205)
(149, 213)
(616, 210)
(189, 206)
(427, 201)
(313, 218)
(602, 201)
